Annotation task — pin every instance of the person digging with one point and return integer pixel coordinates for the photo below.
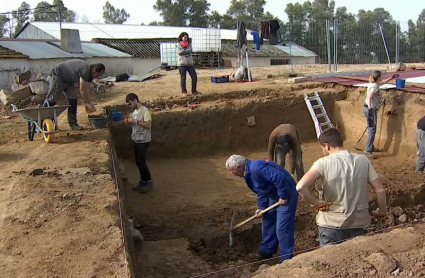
(284, 140)
(272, 184)
(64, 77)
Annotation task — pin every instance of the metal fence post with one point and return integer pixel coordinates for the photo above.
(336, 45)
(328, 37)
(397, 43)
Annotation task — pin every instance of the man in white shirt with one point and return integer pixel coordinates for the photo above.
(141, 122)
(370, 109)
(343, 189)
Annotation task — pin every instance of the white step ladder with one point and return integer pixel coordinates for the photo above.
(318, 113)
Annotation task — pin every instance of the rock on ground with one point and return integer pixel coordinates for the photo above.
(383, 263)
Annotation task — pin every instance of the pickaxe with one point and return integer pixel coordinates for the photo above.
(246, 221)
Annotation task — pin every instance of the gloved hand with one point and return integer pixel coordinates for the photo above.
(322, 205)
(90, 108)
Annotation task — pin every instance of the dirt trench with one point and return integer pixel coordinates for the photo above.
(185, 219)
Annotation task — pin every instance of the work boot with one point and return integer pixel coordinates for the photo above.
(138, 186)
(146, 186)
(76, 127)
(375, 150)
(368, 154)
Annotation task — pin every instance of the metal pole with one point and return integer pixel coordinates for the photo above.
(290, 51)
(397, 43)
(247, 66)
(237, 29)
(60, 22)
(335, 44)
(385, 44)
(328, 37)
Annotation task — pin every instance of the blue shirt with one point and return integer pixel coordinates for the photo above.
(269, 180)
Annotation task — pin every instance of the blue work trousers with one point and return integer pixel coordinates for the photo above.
(279, 228)
(372, 120)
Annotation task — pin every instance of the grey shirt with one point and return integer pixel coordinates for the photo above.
(185, 58)
(71, 71)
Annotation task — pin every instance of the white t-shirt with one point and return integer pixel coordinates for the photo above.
(345, 177)
(373, 88)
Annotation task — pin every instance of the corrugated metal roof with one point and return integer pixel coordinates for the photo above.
(48, 50)
(229, 50)
(6, 53)
(123, 31)
(143, 48)
(149, 48)
(297, 51)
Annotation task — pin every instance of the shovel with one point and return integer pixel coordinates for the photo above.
(246, 221)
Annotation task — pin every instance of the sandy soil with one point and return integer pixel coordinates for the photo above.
(60, 223)
(65, 223)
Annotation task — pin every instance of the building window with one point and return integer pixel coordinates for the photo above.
(276, 62)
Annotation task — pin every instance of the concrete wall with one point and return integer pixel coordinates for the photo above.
(142, 66)
(266, 61)
(304, 60)
(11, 67)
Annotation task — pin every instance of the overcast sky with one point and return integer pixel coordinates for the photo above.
(142, 10)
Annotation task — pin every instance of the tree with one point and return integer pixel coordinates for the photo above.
(21, 15)
(3, 21)
(215, 19)
(173, 12)
(183, 12)
(85, 18)
(53, 13)
(114, 16)
(249, 11)
(198, 13)
(297, 21)
(155, 23)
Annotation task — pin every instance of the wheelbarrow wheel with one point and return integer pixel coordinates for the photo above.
(48, 126)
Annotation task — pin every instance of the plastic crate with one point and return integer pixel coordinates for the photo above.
(220, 79)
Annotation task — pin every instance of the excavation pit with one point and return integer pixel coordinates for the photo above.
(185, 219)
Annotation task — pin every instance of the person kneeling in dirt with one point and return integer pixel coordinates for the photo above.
(284, 139)
(272, 184)
(63, 79)
(141, 122)
(343, 204)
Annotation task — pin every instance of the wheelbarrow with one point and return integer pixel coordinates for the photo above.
(42, 120)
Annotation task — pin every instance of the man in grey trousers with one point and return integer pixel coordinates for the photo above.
(67, 77)
(420, 140)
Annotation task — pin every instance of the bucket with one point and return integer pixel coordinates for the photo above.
(116, 115)
(399, 83)
(98, 121)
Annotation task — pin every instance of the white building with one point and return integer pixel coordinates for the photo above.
(142, 42)
(20, 55)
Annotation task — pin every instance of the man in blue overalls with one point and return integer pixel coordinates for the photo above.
(272, 184)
